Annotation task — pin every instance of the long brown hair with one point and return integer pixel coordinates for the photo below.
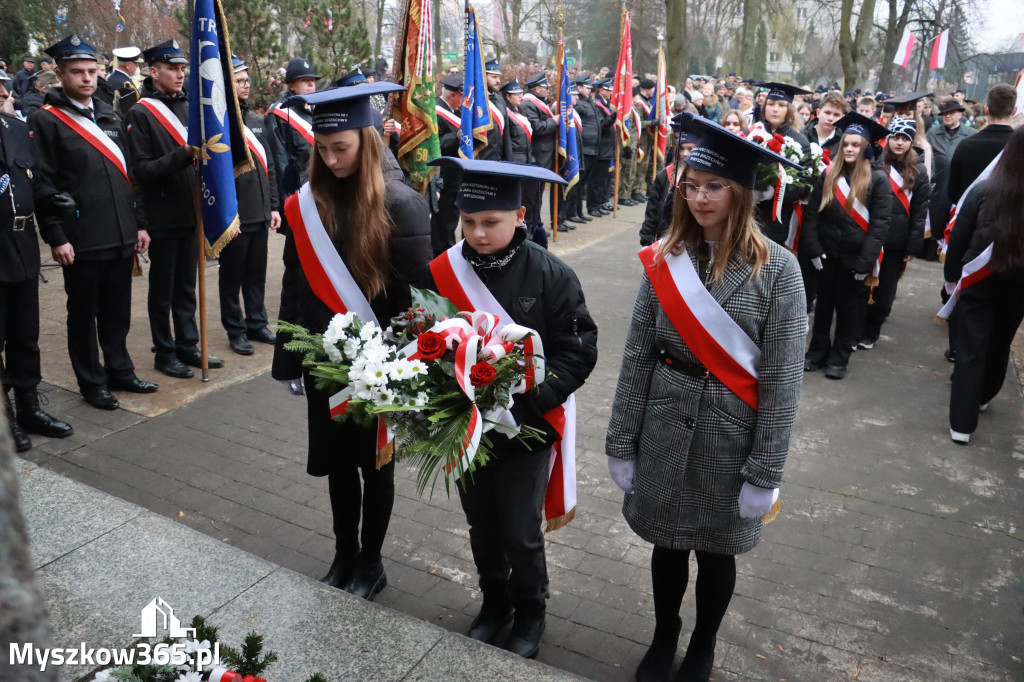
(356, 204)
(860, 175)
(742, 240)
(906, 165)
(1005, 188)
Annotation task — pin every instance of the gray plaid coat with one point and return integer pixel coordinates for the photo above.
(693, 440)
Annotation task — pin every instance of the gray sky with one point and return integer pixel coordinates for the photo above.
(1003, 19)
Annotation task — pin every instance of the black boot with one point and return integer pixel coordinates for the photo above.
(495, 613)
(21, 440)
(341, 570)
(527, 630)
(656, 665)
(32, 418)
(697, 664)
(368, 578)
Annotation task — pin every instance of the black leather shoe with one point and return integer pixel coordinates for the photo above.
(627, 202)
(527, 630)
(264, 335)
(193, 358)
(697, 665)
(656, 665)
(21, 440)
(596, 213)
(173, 367)
(603, 211)
(562, 227)
(32, 418)
(811, 365)
(340, 572)
(132, 385)
(241, 345)
(608, 206)
(575, 219)
(494, 615)
(367, 580)
(99, 397)
(639, 197)
(950, 355)
(835, 372)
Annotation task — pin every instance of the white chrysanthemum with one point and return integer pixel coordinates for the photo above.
(375, 374)
(375, 352)
(816, 150)
(190, 677)
(386, 397)
(347, 319)
(421, 399)
(369, 331)
(361, 390)
(400, 370)
(351, 348)
(417, 368)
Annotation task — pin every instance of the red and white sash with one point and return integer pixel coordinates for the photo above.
(166, 118)
(644, 105)
(577, 120)
(256, 148)
(457, 281)
(857, 211)
(954, 211)
(708, 331)
(299, 124)
(796, 226)
(497, 116)
(92, 134)
(544, 109)
(447, 115)
(896, 180)
(523, 123)
(973, 272)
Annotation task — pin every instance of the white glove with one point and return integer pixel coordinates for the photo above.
(950, 286)
(756, 502)
(860, 276)
(293, 386)
(622, 472)
(816, 262)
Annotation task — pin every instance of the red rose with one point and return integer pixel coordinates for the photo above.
(758, 139)
(482, 374)
(430, 345)
(775, 145)
(826, 156)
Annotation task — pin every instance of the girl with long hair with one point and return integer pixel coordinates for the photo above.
(703, 412)
(355, 216)
(989, 310)
(845, 226)
(734, 122)
(910, 191)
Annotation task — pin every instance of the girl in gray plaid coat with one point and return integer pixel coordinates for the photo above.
(697, 447)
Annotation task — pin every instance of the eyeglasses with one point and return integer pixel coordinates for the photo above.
(714, 191)
(241, 81)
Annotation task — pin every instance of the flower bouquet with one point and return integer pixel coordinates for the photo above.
(436, 382)
(769, 175)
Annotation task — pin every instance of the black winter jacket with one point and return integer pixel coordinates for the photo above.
(257, 189)
(591, 120)
(606, 147)
(658, 214)
(520, 143)
(289, 148)
(545, 133)
(165, 170)
(833, 233)
(774, 229)
(499, 142)
(906, 231)
(107, 216)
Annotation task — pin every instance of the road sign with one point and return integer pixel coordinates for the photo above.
(969, 77)
(450, 56)
(570, 61)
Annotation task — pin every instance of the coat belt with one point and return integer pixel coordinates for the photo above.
(15, 224)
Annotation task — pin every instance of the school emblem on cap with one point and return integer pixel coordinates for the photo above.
(305, 64)
(174, 44)
(75, 40)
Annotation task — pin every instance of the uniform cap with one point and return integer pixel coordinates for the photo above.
(493, 185)
(338, 109)
(453, 82)
(512, 88)
(353, 77)
(71, 47)
(127, 54)
(299, 68)
(584, 80)
(238, 65)
(3, 76)
(492, 66)
(858, 124)
(168, 51)
(540, 80)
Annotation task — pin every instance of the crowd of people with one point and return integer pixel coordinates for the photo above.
(717, 347)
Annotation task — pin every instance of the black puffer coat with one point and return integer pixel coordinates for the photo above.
(833, 233)
(906, 231)
(658, 214)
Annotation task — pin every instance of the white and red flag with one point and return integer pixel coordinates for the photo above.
(906, 48)
(939, 50)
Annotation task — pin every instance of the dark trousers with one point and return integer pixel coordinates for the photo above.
(884, 294)
(372, 499)
(990, 312)
(443, 224)
(841, 295)
(533, 197)
(503, 504)
(597, 184)
(99, 317)
(587, 174)
(19, 334)
(810, 277)
(172, 294)
(243, 268)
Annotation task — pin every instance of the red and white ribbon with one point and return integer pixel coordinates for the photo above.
(92, 134)
(497, 116)
(523, 123)
(796, 226)
(857, 211)
(708, 331)
(166, 118)
(299, 124)
(973, 272)
(447, 115)
(256, 148)
(896, 180)
(530, 97)
(954, 210)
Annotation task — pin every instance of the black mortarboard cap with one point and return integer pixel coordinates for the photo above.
(492, 66)
(299, 68)
(353, 77)
(168, 51)
(494, 185)
(512, 88)
(783, 92)
(454, 82)
(858, 124)
(71, 47)
(338, 109)
(540, 80)
(910, 98)
(725, 153)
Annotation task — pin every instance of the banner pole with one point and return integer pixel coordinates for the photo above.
(201, 266)
(618, 136)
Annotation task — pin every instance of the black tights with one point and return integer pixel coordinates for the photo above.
(716, 580)
(372, 501)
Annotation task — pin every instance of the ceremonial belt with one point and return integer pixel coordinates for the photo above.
(457, 281)
(523, 123)
(93, 134)
(299, 124)
(497, 116)
(896, 180)
(529, 97)
(448, 116)
(166, 118)
(703, 325)
(857, 211)
(256, 148)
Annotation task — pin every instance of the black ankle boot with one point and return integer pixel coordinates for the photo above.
(368, 578)
(21, 440)
(32, 418)
(341, 570)
(697, 663)
(495, 613)
(527, 631)
(656, 665)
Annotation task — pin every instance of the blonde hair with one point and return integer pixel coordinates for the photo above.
(742, 240)
(357, 205)
(860, 175)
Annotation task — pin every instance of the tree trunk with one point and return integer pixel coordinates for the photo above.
(894, 33)
(747, 37)
(675, 42)
(853, 40)
(438, 43)
(380, 29)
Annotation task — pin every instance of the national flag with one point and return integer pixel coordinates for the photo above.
(939, 50)
(415, 109)
(1019, 85)
(660, 110)
(903, 52)
(622, 90)
(476, 114)
(215, 124)
(566, 125)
